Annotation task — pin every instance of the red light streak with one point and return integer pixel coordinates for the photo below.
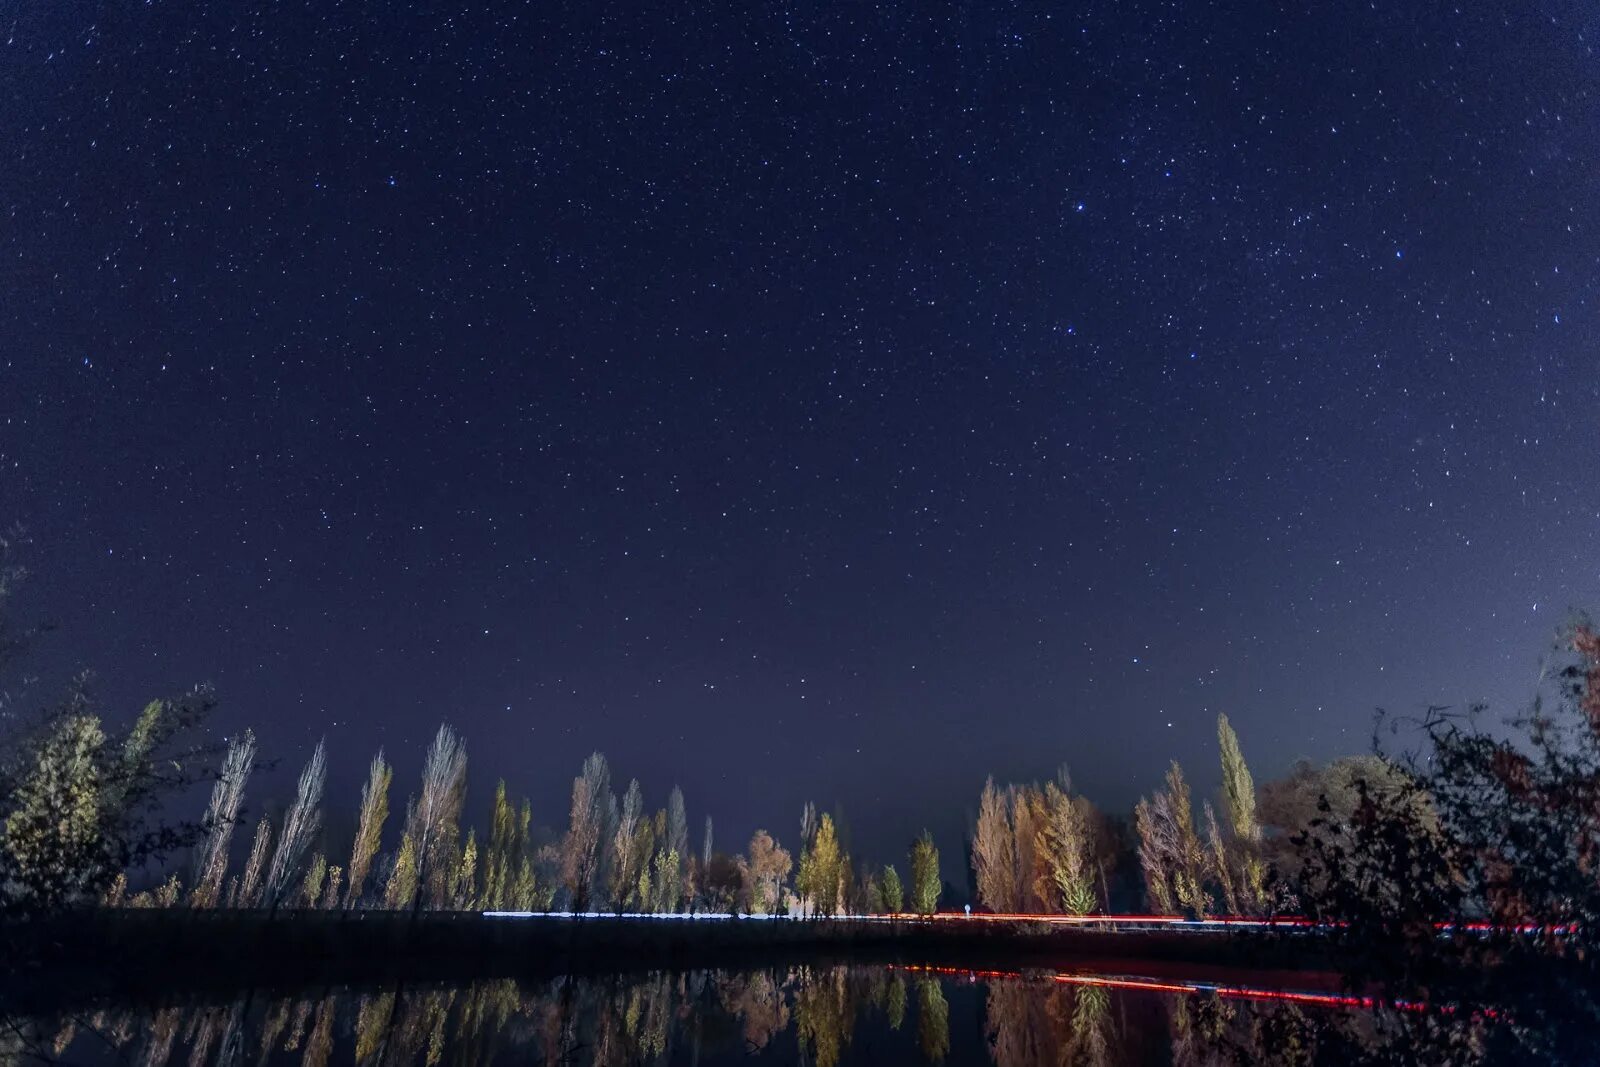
(1220, 922)
(1186, 987)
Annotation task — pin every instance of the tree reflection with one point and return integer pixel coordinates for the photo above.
(1089, 1025)
(1022, 1032)
(760, 1001)
(1030, 1019)
(824, 1015)
(320, 1043)
(933, 1021)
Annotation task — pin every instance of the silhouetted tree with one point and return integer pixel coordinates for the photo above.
(722, 882)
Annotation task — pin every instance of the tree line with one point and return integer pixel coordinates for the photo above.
(1033, 848)
(615, 855)
(1048, 849)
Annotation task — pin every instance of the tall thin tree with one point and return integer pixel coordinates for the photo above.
(925, 881)
(501, 861)
(1239, 805)
(222, 814)
(1068, 850)
(624, 866)
(583, 848)
(676, 854)
(434, 825)
(248, 890)
(1169, 848)
(369, 827)
(300, 825)
(994, 854)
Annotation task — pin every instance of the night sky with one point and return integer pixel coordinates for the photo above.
(832, 401)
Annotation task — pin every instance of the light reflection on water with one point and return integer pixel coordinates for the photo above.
(820, 1016)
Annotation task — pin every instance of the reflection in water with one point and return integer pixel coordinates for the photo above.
(819, 1016)
(933, 1021)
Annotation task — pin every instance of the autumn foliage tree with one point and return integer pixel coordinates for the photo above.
(1034, 848)
(1068, 849)
(583, 850)
(764, 869)
(994, 851)
(823, 868)
(1169, 848)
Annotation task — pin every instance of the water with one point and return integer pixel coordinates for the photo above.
(819, 1016)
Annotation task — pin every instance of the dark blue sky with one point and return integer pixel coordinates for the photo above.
(823, 400)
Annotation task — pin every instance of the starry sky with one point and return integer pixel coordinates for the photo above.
(818, 400)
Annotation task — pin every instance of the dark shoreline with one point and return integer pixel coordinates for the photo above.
(126, 954)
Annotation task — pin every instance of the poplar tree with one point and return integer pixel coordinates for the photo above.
(670, 882)
(316, 875)
(925, 881)
(821, 869)
(369, 827)
(300, 824)
(624, 853)
(464, 888)
(501, 861)
(249, 888)
(434, 823)
(1169, 850)
(222, 813)
(1068, 849)
(401, 891)
(1239, 805)
(525, 893)
(584, 845)
(891, 894)
(1027, 825)
(994, 853)
(1221, 868)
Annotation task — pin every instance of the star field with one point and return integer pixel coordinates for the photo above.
(833, 401)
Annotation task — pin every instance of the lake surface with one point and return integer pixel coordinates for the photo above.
(821, 1016)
